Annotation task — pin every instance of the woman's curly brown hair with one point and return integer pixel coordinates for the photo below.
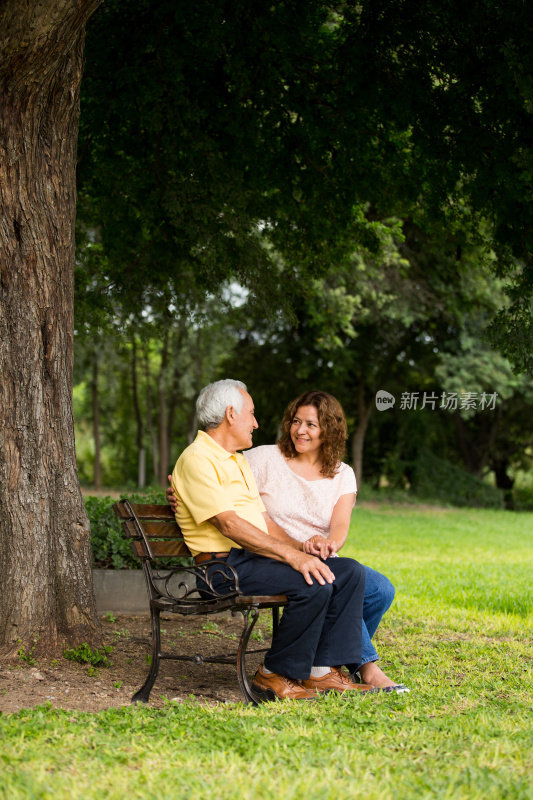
(333, 429)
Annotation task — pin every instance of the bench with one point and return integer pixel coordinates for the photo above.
(157, 540)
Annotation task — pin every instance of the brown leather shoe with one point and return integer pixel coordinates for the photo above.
(335, 681)
(272, 686)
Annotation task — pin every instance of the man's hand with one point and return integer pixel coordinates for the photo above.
(171, 497)
(310, 567)
(320, 546)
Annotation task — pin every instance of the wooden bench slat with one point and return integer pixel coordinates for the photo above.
(144, 511)
(162, 549)
(162, 530)
(157, 530)
(268, 600)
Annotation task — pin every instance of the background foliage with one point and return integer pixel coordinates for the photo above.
(110, 547)
(306, 195)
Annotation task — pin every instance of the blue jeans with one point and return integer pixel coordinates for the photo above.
(321, 625)
(379, 594)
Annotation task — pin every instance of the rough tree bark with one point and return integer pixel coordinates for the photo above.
(45, 567)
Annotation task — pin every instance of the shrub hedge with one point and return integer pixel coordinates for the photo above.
(440, 480)
(110, 548)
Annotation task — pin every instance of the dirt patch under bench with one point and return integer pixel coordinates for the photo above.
(70, 685)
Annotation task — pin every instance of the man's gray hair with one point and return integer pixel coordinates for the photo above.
(214, 399)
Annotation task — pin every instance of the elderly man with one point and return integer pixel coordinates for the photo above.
(222, 515)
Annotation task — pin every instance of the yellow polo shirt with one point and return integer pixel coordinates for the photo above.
(208, 480)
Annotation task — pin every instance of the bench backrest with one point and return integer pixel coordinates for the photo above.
(153, 530)
(186, 588)
(157, 540)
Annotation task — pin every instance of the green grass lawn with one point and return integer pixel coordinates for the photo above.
(459, 634)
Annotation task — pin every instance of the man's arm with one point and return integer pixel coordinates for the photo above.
(279, 534)
(256, 541)
(274, 529)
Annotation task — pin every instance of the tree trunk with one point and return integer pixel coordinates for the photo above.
(45, 564)
(97, 472)
(175, 398)
(364, 411)
(149, 421)
(141, 452)
(504, 481)
(192, 424)
(475, 451)
(164, 445)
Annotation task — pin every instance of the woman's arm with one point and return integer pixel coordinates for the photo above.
(340, 520)
(171, 497)
(338, 529)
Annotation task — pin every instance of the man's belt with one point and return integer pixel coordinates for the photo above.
(208, 557)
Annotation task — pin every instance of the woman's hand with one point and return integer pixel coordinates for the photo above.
(171, 497)
(319, 546)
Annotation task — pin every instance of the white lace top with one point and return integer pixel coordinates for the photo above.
(301, 507)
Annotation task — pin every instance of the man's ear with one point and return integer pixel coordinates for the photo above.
(230, 414)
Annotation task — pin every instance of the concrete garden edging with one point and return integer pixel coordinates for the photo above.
(123, 591)
(120, 591)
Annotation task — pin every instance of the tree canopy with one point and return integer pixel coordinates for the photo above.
(360, 167)
(208, 128)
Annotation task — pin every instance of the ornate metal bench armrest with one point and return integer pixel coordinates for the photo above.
(213, 580)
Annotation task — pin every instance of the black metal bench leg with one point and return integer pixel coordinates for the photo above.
(143, 695)
(242, 675)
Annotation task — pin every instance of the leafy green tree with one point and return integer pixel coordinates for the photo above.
(94, 332)
(300, 116)
(456, 78)
(152, 361)
(500, 441)
(410, 319)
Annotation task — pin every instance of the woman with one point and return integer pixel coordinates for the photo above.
(310, 493)
(306, 487)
